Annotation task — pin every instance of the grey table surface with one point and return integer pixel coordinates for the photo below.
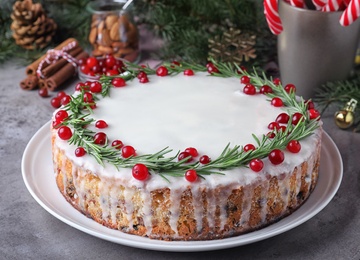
(27, 231)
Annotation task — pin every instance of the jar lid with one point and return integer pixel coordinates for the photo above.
(100, 7)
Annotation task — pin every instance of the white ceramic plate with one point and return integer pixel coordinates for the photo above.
(39, 179)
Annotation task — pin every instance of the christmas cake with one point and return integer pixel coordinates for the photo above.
(179, 153)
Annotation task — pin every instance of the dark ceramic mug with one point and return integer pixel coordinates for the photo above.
(314, 48)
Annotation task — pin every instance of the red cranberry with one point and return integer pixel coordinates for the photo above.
(293, 146)
(64, 132)
(191, 175)
(43, 92)
(266, 89)
(128, 151)
(256, 165)
(184, 155)
(249, 89)
(162, 71)
(204, 159)
(276, 156)
(140, 171)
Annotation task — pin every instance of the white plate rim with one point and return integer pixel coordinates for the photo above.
(327, 186)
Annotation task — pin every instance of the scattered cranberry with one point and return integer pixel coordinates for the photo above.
(144, 80)
(118, 82)
(43, 92)
(283, 118)
(141, 74)
(277, 102)
(87, 84)
(64, 132)
(282, 128)
(211, 68)
(245, 79)
(274, 125)
(184, 155)
(88, 97)
(277, 81)
(192, 151)
(249, 89)
(294, 146)
(290, 88)
(249, 147)
(313, 114)
(95, 87)
(191, 175)
(270, 135)
(117, 144)
(61, 115)
(65, 100)
(61, 94)
(92, 106)
(266, 89)
(162, 71)
(80, 151)
(100, 138)
(204, 159)
(56, 124)
(175, 63)
(309, 104)
(256, 165)
(127, 151)
(101, 124)
(80, 86)
(276, 156)
(188, 72)
(55, 102)
(297, 117)
(140, 171)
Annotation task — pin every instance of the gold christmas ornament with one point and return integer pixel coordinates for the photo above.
(233, 46)
(31, 27)
(345, 118)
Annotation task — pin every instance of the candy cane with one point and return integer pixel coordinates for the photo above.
(332, 6)
(319, 4)
(272, 16)
(297, 3)
(346, 2)
(351, 13)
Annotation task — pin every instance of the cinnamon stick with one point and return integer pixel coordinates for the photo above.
(42, 83)
(64, 73)
(31, 69)
(29, 83)
(52, 68)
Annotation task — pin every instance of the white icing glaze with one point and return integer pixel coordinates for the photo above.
(199, 111)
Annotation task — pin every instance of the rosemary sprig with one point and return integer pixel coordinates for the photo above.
(165, 166)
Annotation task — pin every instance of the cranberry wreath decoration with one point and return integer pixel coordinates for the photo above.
(285, 132)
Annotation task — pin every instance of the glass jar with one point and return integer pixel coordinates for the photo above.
(113, 30)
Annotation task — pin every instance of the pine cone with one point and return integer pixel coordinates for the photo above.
(31, 27)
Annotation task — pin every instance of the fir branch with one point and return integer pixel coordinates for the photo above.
(338, 92)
